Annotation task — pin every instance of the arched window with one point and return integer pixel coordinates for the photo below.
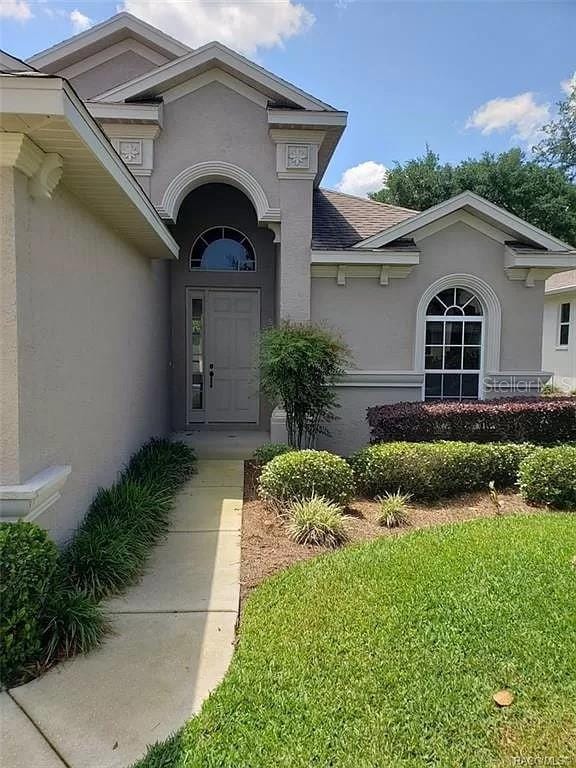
(223, 249)
(453, 350)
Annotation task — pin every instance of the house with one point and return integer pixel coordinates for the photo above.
(161, 205)
(559, 330)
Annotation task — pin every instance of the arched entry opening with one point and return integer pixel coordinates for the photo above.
(223, 293)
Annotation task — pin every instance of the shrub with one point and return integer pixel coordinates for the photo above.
(27, 562)
(300, 474)
(537, 420)
(299, 365)
(549, 477)
(316, 521)
(266, 453)
(393, 509)
(432, 470)
(161, 463)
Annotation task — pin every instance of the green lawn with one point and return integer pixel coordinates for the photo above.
(386, 655)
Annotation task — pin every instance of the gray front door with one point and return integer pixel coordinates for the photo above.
(231, 368)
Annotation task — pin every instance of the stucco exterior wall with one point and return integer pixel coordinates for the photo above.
(379, 322)
(122, 68)
(210, 206)
(561, 361)
(93, 349)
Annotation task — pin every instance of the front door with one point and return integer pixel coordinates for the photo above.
(229, 365)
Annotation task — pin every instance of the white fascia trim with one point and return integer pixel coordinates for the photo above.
(117, 49)
(306, 118)
(28, 500)
(219, 54)
(562, 260)
(477, 203)
(365, 257)
(564, 289)
(492, 317)
(77, 115)
(216, 170)
(126, 113)
(102, 31)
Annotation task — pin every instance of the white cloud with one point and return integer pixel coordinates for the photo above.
(80, 22)
(363, 178)
(569, 84)
(244, 26)
(15, 9)
(520, 114)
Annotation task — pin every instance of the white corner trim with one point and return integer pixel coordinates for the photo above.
(28, 500)
(214, 171)
(492, 317)
(478, 205)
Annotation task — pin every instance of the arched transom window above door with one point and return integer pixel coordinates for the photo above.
(454, 340)
(223, 249)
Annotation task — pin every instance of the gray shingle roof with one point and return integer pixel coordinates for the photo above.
(340, 220)
(561, 280)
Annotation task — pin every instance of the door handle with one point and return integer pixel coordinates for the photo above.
(211, 374)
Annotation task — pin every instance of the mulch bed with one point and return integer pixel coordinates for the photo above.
(267, 549)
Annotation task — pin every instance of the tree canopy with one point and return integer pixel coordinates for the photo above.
(558, 147)
(539, 194)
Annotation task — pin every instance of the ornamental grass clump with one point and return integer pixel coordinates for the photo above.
(316, 521)
(301, 474)
(393, 509)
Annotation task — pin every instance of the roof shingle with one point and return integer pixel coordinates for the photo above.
(340, 220)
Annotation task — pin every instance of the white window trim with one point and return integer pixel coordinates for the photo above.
(492, 319)
(559, 324)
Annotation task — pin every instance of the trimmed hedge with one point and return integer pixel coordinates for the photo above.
(549, 477)
(516, 420)
(27, 563)
(301, 474)
(269, 451)
(431, 470)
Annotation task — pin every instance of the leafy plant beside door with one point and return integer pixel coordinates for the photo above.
(299, 366)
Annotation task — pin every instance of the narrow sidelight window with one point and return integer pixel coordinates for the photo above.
(564, 325)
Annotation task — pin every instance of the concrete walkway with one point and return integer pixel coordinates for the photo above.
(174, 636)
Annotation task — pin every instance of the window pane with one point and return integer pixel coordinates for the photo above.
(453, 333)
(565, 313)
(223, 249)
(564, 334)
(470, 382)
(433, 358)
(472, 333)
(453, 358)
(435, 308)
(473, 308)
(434, 332)
(451, 385)
(471, 358)
(213, 234)
(454, 311)
(447, 296)
(462, 296)
(433, 385)
(196, 329)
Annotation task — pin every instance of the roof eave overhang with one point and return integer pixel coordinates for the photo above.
(368, 257)
(558, 260)
(54, 99)
(474, 204)
(562, 289)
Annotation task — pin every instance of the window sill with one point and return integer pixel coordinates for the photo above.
(561, 347)
(28, 500)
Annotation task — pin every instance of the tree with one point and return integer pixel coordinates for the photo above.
(543, 196)
(558, 147)
(299, 365)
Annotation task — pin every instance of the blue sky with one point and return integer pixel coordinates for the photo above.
(409, 73)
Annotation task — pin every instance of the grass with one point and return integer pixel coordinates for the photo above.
(387, 654)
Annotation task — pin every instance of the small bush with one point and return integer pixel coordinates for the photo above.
(393, 509)
(549, 477)
(316, 521)
(301, 474)
(266, 453)
(432, 470)
(536, 420)
(27, 563)
(161, 463)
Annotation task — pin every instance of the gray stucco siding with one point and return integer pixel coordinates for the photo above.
(120, 69)
(93, 349)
